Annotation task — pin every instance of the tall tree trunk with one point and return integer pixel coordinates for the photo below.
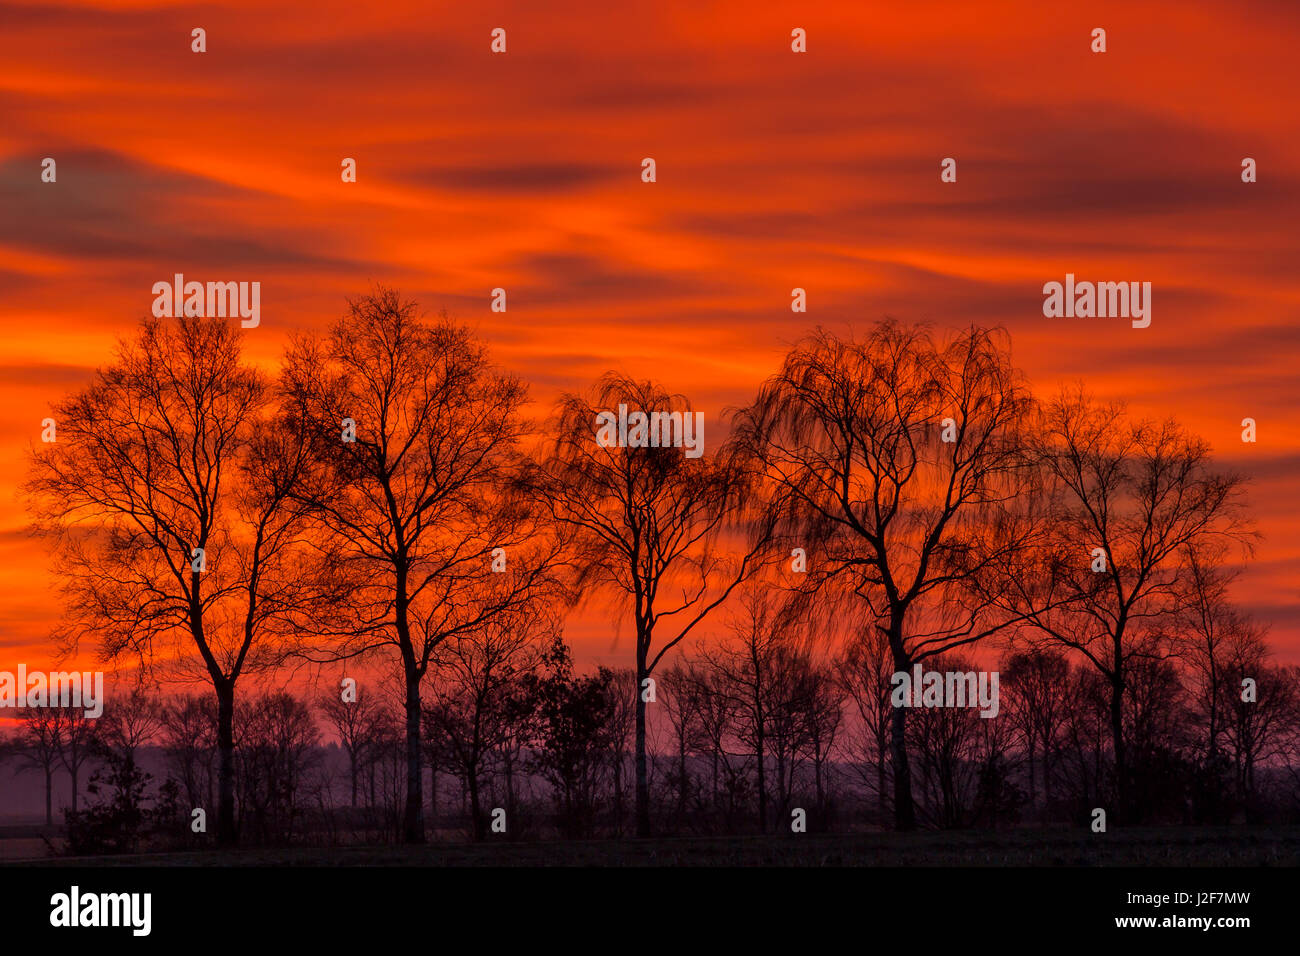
(904, 809)
(1030, 753)
(433, 795)
(413, 813)
(904, 813)
(1214, 709)
(49, 797)
(781, 797)
(1117, 743)
(475, 809)
(642, 777)
(226, 763)
(681, 780)
(882, 799)
(413, 818)
(1047, 781)
(618, 790)
(509, 764)
(818, 762)
(715, 778)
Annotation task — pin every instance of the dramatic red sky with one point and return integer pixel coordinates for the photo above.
(775, 170)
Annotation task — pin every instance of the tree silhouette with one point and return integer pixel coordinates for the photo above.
(355, 723)
(38, 744)
(752, 667)
(189, 741)
(475, 705)
(899, 463)
(647, 525)
(1035, 686)
(863, 670)
(167, 501)
(1142, 493)
(420, 497)
(571, 735)
(680, 692)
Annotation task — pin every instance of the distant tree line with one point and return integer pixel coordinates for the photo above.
(744, 732)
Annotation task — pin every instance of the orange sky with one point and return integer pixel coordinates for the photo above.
(775, 170)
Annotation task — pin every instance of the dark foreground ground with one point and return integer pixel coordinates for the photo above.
(1173, 846)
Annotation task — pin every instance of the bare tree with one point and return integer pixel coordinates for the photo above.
(1211, 635)
(791, 688)
(189, 740)
(1084, 771)
(278, 746)
(571, 733)
(1257, 730)
(131, 721)
(864, 669)
(622, 727)
(648, 522)
(946, 741)
(38, 745)
(167, 500)
(680, 693)
(1157, 735)
(716, 710)
(900, 464)
(474, 703)
(749, 666)
(417, 438)
(824, 719)
(79, 746)
(354, 721)
(1130, 502)
(1283, 727)
(1035, 687)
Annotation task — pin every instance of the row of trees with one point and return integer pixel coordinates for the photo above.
(384, 498)
(767, 716)
(743, 731)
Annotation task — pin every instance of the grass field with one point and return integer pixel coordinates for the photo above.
(1174, 846)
